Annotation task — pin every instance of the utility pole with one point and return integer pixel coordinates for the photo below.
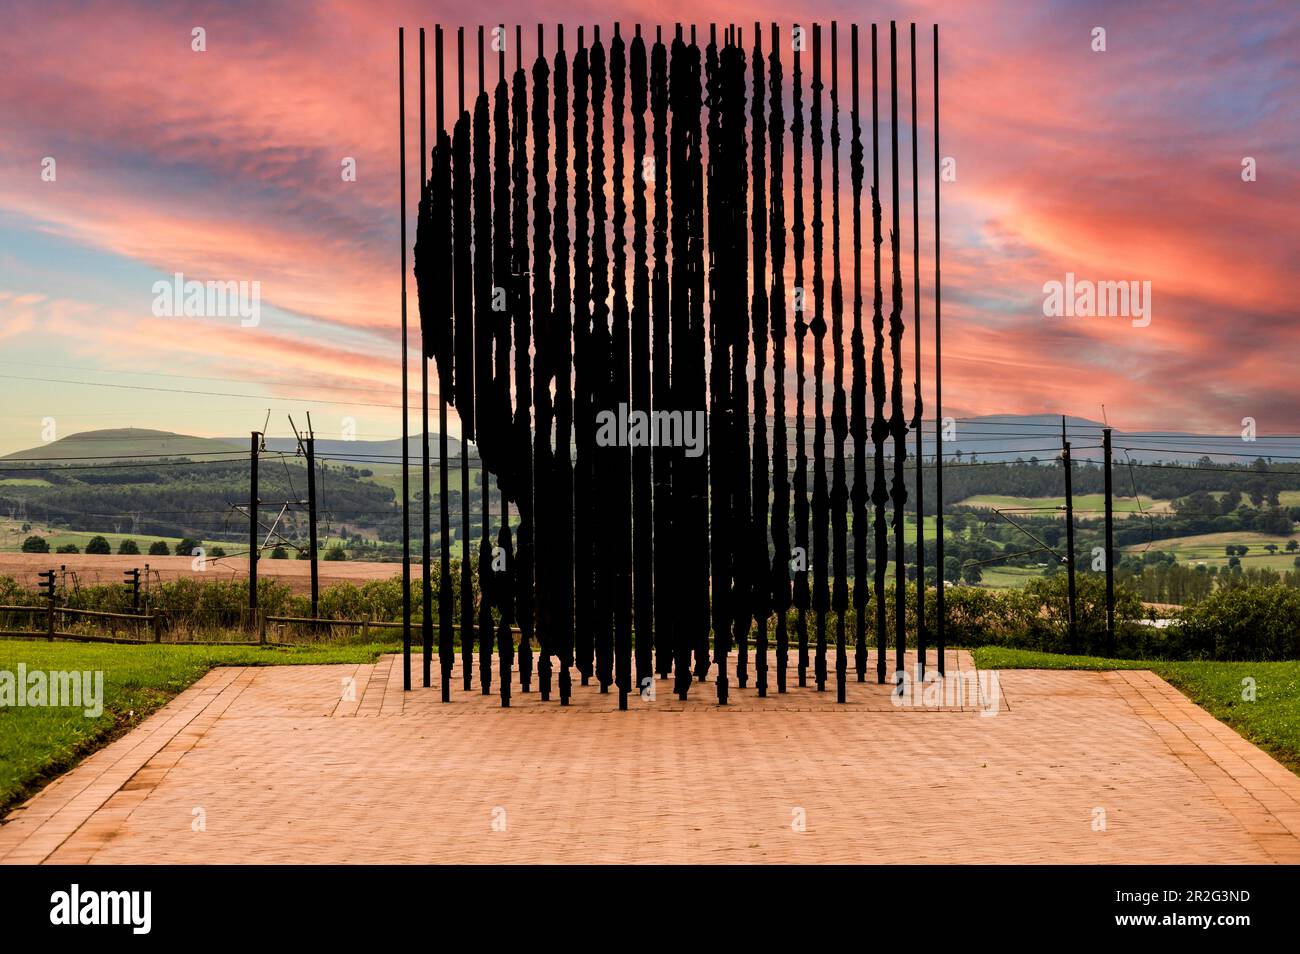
(1069, 533)
(310, 447)
(1110, 546)
(253, 447)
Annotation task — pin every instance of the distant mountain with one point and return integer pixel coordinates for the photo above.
(1004, 437)
(125, 442)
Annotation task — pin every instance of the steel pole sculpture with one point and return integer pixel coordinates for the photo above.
(484, 295)
(780, 594)
(406, 446)
(879, 426)
(898, 425)
(426, 543)
(521, 423)
(839, 413)
(821, 502)
(656, 535)
(801, 592)
(539, 589)
(918, 406)
(561, 348)
(463, 295)
(858, 421)
(760, 591)
(938, 387)
(642, 502)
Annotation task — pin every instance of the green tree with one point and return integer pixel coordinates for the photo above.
(972, 573)
(34, 544)
(69, 548)
(187, 546)
(98, 545)
(217, 552)
(128, 548)
(279, 553)
(335, 553)
(159, 548)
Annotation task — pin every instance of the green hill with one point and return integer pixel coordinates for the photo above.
(125, 442)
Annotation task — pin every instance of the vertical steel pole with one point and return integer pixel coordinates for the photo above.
(1110, 546)
(938, 387)
(426, 582)
(1069, 535)
(310, 444)
(916, 420)
(406, 446)
(253, 445)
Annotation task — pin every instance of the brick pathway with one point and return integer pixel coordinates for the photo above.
(281, 764)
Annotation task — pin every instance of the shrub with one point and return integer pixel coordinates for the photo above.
(35, 544)
(128, 547)
(1259, 623)
(69, 548)
(98, 545)
(279, 553)
(335, 553)
(159, 548)
(217, 552)
(187, 546)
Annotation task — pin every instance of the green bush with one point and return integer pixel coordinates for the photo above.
(187, 547)
(98, 545)
(1244, 623)
(68, 548)
(335, 553)
(35, 544)
(128, 548)
(159, 548)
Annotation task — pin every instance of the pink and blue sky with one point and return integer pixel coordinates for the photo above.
(226, 165)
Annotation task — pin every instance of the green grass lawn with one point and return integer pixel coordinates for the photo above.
(38, 743)
(1272, 721)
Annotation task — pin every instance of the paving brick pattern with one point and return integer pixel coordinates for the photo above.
(335, 764)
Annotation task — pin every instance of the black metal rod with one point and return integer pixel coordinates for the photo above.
(858, 423)
(445, 605)
(1110, 543)
(1069, 535)
(426, 580)
(918, 407)
(253, 543)
(406, 449)
(464, 367)
(898, 429)
(938, 387)
(310, 445)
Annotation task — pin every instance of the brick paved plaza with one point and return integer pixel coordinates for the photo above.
(283, 764)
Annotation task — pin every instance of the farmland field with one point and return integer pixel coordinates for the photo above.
(296, 574)
(1085, 505)
(1208, 548)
